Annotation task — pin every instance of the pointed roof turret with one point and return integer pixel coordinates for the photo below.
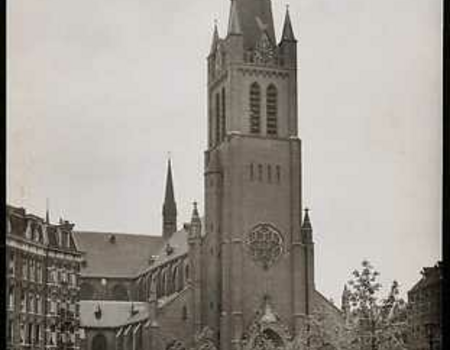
(195, 216)
(306, 228)
(306, 221)
(234, 28)
(215, 39)
(288, 33)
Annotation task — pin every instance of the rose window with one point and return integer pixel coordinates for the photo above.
(265, 244)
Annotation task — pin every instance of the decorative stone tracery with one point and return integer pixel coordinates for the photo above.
(265, 244)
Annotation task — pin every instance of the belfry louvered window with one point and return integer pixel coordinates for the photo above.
(217, 118)
(272, 110)
(255, 108)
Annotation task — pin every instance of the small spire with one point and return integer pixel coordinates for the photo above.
(234, 28)
(288, 33)
(215, 39)
(306, 228)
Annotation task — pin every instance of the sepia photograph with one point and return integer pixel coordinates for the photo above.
(224, 175)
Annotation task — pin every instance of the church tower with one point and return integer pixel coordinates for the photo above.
(169, 207)
(257, 254)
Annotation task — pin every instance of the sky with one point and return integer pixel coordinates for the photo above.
(100, 91)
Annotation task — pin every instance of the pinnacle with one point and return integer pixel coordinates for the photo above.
(288, 33)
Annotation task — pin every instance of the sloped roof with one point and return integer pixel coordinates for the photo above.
(113, 313)
(430, 276)
(178, 242)
(111, 255)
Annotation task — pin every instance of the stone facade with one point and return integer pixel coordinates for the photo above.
(43, 267)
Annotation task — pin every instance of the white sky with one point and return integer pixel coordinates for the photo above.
(99, 91)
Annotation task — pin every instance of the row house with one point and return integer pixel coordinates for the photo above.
(43, 267)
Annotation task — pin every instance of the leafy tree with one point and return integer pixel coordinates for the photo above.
(375, 323)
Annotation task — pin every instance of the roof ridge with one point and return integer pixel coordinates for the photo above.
(117, 233)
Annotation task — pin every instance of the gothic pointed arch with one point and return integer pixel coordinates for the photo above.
(267, 331)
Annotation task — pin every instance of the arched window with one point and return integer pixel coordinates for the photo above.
(120, 292)
(174, 283)
(184, 313)
(223, 116)
(186, 272)
(278, 174)
(86, 291)
(180, 283)
(255, 108)
(163, 283)
(99, 342)
(272, 110)
(159, 284)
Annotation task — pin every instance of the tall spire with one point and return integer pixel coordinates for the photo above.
(234, 28)
(254, 18)
(169, 206)
(288, 33)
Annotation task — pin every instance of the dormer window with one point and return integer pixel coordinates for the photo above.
(169, 249)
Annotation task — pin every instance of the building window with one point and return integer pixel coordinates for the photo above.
(29, 334)
(31, 270)
(10, 331)
(186, 272)
(180, 276)
(252, 175)
(278, 174)
(218, 137)
(11, 298)
(38, 304)
(38, 271)
(37, 334)
(24, 268)
(269, 173)
(255, 108)
(11, 263)
(31, 302)
(223, 121)
(184, 313)
(272, 110)
(260, 172)
(22, 333)
(23, 302)
(53, 335)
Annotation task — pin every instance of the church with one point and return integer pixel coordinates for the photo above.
(239, 276)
